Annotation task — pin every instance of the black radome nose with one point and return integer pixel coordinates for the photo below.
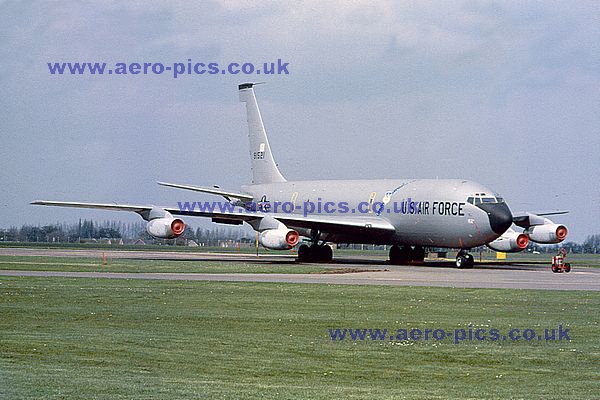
(500, 216)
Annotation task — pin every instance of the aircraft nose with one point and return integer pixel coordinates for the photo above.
(500, 216)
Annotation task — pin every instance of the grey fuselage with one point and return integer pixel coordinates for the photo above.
(424, 212)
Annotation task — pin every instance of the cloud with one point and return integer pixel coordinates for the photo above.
(500, 92)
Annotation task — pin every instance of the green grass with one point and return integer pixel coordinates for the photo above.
(131, 247)
(38, 263)
(107, 339)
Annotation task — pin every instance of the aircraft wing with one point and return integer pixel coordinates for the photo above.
(101, 206)
(337, 224)
(334, 224)
(324, 223)
(144, 209)
(527, 219)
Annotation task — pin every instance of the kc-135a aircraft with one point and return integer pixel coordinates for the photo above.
(408, 214)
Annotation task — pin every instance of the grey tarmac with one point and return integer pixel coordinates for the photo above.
(440, 274)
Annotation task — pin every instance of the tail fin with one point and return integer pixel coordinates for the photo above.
(264, 169)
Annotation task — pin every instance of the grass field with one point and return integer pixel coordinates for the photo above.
(132, 247)
(99, 338)
(89, 264)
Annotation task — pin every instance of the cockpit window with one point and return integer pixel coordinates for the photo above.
(483, 198)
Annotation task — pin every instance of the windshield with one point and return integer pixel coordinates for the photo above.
(483, 198)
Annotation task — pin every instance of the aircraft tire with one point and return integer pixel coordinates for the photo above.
(401, 255)
(315, 253)
(470, 260)
(325, 253)
(417, 255)
(303, 253)
(396, 255)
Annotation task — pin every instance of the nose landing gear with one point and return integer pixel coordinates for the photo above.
(464, 260)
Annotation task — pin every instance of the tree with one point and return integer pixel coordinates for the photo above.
(592, 244)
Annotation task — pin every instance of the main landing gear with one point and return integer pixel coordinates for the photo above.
(406, 255)
(318, 253)
(464, 259)
(315, 253)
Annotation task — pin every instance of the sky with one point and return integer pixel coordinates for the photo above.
(503, 93)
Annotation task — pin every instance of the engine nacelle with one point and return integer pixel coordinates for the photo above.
(165, 228)
(279, 239)
(510, 242)
(549, 233)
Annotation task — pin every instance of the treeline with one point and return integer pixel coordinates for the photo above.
(591, 244)
(64, 232)
(89, 230)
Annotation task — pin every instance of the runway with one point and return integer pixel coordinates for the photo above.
(376, 271)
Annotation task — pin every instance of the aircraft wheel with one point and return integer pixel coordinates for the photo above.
(395, 254)
(470, 260)
(303, 253)
(418, 255)
(461, 262)
(325, 253)
(400, 255)
(567, 267)
(555, 269)
(314, 251)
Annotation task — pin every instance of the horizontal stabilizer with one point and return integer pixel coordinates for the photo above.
(226, 194)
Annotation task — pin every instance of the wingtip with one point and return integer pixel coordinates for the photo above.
(166, 184)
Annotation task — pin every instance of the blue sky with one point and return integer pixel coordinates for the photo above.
(504, 93)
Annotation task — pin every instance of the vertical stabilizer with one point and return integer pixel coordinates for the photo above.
(264, 169)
